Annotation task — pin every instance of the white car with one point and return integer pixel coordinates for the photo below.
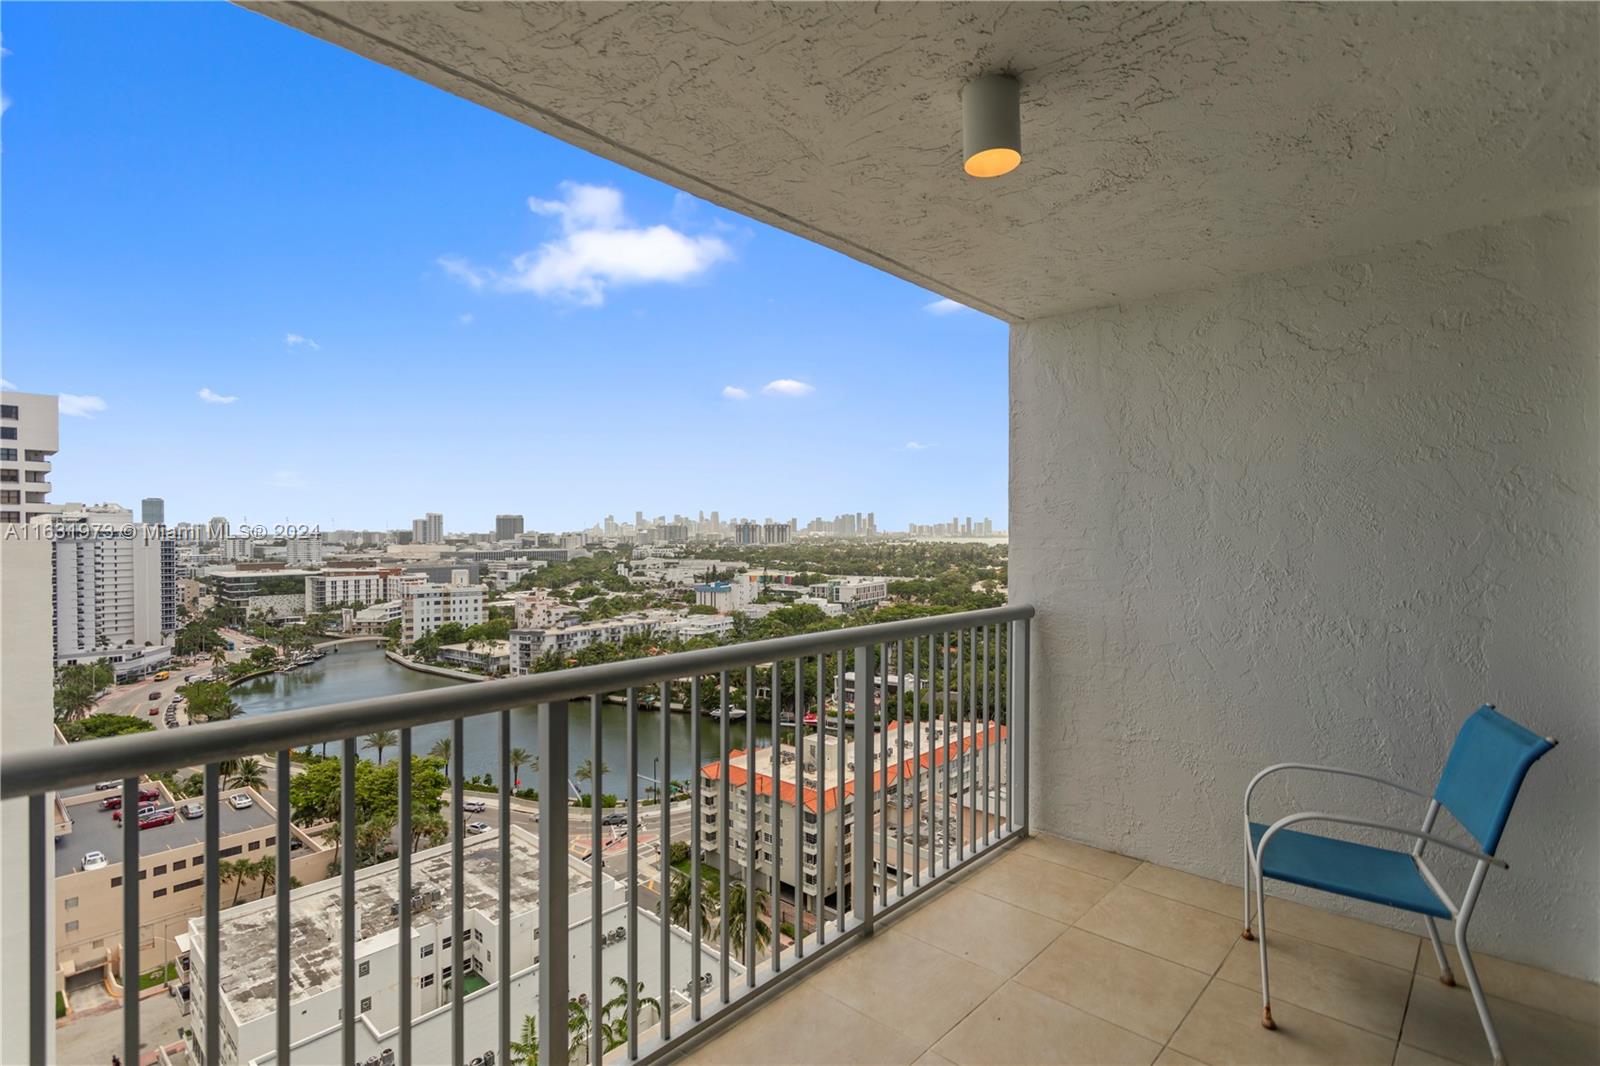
(477, 827)
(103, 785)
(239, 801)
(94, 860)
(475, 806)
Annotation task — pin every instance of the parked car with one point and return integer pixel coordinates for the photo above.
(239, 801)
(190, 677)
(614, 819)
(156, 695)
(114, 803)
(101, 786)
(94, 860)
(475, 806)
(144, 810)
(193, 810)
(477, 827)
(163, 816)
(154, 711)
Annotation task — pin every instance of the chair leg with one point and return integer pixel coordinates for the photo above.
(1261, 924)
(1249, 867)
(1446, 977)
(1478, 999)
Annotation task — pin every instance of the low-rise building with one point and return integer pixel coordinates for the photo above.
(566, 637)
(853, 593)
(725, 597)
(363, 585)
(485, 656)
(696, 626)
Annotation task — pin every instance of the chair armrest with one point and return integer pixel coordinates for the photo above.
(1316, 768)
(1342, 819)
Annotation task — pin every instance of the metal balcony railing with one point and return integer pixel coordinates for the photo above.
(939, 748)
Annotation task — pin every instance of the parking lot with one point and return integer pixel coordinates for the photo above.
(95, 830)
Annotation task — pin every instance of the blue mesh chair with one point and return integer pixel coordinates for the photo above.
(1479, 784)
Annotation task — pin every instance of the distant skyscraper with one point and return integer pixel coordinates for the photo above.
(507, 526)
(419, 531)
(153, 511)
(218, 528)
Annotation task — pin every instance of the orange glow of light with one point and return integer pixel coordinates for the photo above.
(993, 162)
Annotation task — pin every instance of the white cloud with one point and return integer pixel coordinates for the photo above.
(914, 446)
(80, 406)
(465, 318)
(734, 392)
(787, 387)
(597, 250)
(4, 384)
(294, 340)
(944, 307)
(211, 397)
(286, 479)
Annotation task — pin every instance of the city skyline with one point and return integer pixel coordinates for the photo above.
(269, 317)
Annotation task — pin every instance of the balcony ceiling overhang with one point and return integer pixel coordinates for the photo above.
(1165, 147)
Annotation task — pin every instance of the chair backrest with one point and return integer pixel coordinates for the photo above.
(1485, 769)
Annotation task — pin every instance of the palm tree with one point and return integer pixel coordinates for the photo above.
(615, 1031)
(441, 751)
(681, 903)
(248, 774)
(586, 770)
(758, 934)
(266, 868)
(429, 828)
(236, 871)
(380, 741)
(525, 1051)
(519, 758)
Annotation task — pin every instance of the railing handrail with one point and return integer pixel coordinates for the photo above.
(85, 762)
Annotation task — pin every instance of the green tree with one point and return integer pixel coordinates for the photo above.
(208, 701)
(681, 903)
(586, 770)
(104, 725)
(76, 687)
(248, 773)
(519, 758)
(746, 938)
(381, 741)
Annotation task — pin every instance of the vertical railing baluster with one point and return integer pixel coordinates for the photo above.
(724, 834)
(900, 768)
(458, 891)
(752, 729)
(633, 872)
(862, 837)
(282, 857)
(130, 925)
(407, 949)
(503, 948)
(984, 750)
(842, 884)
(694, 846)
(822, 796)
(916, 761)
(351, 921)
(40, 964)
(879, 773)
(944, 747)
(664, 854)
(775, 903)
(963, 691)
(597, 871)
(554, 963)
(1024, 718)
(799, 809)
(211, 1024)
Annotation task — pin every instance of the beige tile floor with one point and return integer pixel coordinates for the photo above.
(1053, 952)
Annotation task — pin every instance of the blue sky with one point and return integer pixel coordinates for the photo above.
(288, 284)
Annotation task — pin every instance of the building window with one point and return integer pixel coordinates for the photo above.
(158, 893)
(72, 902)
(72, 927)
(32, 455)
(446, 945)
(198, 860)
(38, 476)
(115, 881)
(255, 845)
(187, 885)
(362, 969)
(179, 864)
(271, 841)
(427, 949)
(8, 475)
(8, 410)
(159, 870)
(477, 934)
(366, 1004)
(10, 496)
(443, 974)
(9, 454)
(8, 432)
(427, 979)
(225, 852)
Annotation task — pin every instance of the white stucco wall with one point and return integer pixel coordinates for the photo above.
(1322, 514)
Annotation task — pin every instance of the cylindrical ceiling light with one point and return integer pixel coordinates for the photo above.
(991, 125)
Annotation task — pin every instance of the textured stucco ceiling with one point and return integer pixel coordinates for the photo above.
(1166, 146)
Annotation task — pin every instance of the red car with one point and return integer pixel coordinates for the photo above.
(164, 816)
(114, 803)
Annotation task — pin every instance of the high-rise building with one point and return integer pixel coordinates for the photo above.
(508, 526)
(434, 526)
(29, 435)
(116, 596)
(303, 551)
(153, 511)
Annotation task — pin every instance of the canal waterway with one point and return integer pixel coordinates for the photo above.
(352, 672)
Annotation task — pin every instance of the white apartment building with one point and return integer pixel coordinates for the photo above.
(538, 608)
(853, 593)
(249, 1013)
(365, 585)
(29, 435)
(426, 607)
(489, 656)
(564, 638)
(116, 596)
(373, 619)
(717, 626)
(303, 551)
(503, 573)
(238, 549)
(825, 811)
(725, 597)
